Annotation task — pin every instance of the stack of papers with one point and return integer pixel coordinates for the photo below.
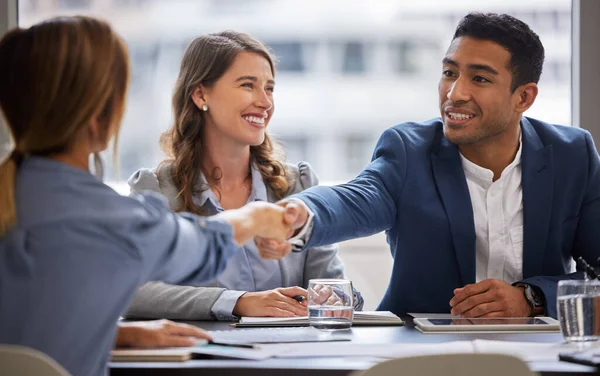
(366, 318)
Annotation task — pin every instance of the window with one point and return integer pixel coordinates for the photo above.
(358, 151)
(74, 4)
(354, 58)
(289, 56)
(296, 148)
(343, 76)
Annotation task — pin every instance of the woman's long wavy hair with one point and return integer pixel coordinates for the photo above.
(55, 78)
(204, 61)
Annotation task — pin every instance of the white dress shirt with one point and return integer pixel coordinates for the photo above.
(498, 218)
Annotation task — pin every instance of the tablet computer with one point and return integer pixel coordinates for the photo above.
(544, 324)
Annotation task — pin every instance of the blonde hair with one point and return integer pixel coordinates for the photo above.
(55, 78)
(204, 61)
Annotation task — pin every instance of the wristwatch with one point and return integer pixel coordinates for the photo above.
(534, 298)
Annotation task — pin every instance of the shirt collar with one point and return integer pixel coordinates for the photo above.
(482, 176)
(207, 196)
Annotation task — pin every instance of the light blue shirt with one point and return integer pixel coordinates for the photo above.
(79, 251)
(245, 271)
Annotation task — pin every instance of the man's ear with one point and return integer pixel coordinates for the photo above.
(526, 96)
(198, 97)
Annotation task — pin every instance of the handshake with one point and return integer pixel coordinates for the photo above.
(271, 225)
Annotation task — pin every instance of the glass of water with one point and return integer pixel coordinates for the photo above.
(330, 303)
(578, 305)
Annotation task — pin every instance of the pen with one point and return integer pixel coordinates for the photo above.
(245, 345)
(299, 298)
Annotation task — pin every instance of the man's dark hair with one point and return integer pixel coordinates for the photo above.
(525, 47)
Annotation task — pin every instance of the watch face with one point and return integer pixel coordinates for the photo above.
(532, 296)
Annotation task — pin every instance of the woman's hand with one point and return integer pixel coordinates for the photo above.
(272, 303)
(158, 333)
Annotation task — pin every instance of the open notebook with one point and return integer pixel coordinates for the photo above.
(366, 318)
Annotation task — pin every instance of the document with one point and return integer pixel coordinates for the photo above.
(380, 351)
(361, 318)
(527, 351)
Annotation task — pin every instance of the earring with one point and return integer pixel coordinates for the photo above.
(204, 107)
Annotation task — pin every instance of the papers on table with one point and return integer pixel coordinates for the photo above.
(527, 351)
(383, 351)
(279, 335)
(181, 354)
(366, 318)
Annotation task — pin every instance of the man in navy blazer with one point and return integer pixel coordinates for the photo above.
(484, 209)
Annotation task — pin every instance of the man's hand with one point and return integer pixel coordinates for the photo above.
(295, 217)
(298, 213)
(158, 333)
(490, 298)
(272, 303)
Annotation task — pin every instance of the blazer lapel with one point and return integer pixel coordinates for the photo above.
(450, 180)
(537, 181)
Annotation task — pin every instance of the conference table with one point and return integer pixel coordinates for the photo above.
(337, 366)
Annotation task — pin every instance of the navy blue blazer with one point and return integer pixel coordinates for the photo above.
(415, 189)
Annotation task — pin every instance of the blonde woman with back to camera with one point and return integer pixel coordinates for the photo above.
(220, 156)
(73, 251)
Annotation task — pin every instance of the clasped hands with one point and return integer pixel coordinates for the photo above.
(296, 217)
(490, 298)
(263, 220)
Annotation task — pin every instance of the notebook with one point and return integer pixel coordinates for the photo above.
(151, 355)
(361, 318)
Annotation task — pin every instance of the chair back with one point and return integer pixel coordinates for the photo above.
(451, 365)
(25, 361)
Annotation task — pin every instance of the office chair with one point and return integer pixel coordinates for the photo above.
(25, 361)
(451, 365)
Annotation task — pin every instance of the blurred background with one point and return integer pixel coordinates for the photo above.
(347, 70)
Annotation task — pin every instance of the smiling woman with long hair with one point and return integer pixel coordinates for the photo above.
(220, 156)
(72, 250)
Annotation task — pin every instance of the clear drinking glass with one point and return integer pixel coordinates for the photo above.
(578, 306)
(330, 303)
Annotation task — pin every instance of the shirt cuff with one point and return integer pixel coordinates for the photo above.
(301, 239)
(222, 310)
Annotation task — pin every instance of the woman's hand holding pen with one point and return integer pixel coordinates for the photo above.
(279, 302)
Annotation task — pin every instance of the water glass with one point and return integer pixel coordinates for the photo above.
(578, 306)
(330, 303)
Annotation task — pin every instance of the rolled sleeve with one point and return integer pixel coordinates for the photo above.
(222, 310)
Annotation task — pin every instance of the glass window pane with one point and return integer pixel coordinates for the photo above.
(347, 70)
